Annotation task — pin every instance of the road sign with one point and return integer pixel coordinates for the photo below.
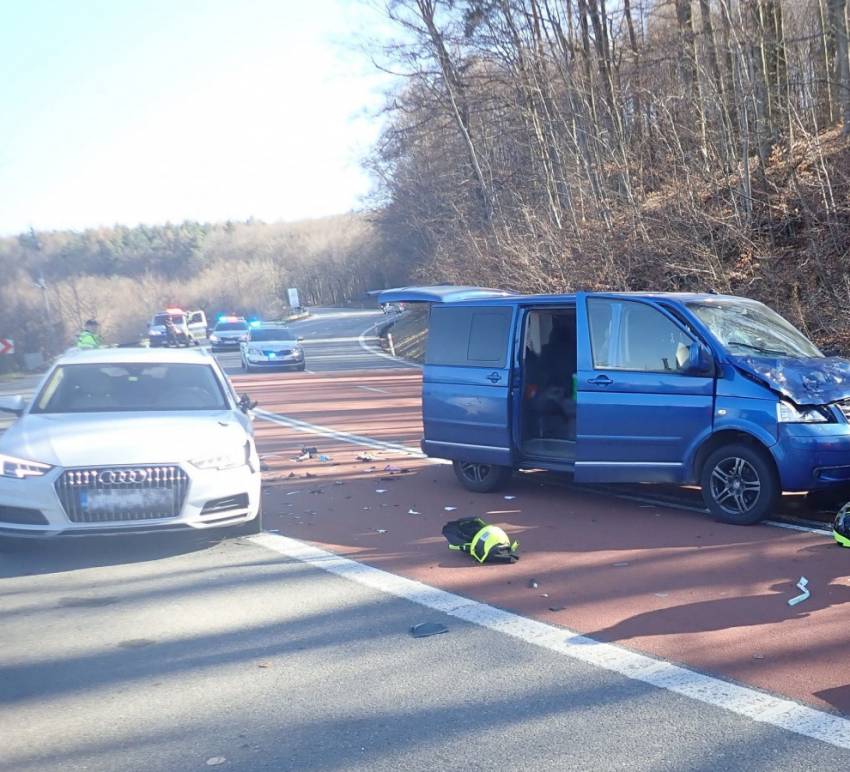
(7, 346)
(294, 302)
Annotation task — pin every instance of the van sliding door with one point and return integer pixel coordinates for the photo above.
(466, 384)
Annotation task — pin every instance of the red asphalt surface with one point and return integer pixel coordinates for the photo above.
(669, 583)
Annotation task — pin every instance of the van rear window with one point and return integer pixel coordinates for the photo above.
(475, 337)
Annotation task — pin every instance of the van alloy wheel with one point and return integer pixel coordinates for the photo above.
(477, 473)
(481, 478)
(740, 484)
(735, 485)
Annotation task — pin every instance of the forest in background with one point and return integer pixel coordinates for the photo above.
(122, 276)
(554, 145)
(539, 146)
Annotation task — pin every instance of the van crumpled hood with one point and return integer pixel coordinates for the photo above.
(804, 380)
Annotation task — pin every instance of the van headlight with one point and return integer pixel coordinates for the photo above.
(21, 468)
(786, 413)
(213, 338)
(230, 460)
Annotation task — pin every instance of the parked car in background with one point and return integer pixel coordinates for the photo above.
(120, 440)
(190, 327)
(272, 346)
(229, 333)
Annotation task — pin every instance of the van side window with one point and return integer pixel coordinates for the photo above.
(468, 336)
(626, 335)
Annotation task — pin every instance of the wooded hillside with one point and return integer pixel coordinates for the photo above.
(551, 145)
(54, 281)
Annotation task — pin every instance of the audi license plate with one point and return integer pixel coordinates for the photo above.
(105, 502)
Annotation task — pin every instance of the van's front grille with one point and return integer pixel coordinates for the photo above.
(844, 407)
(122, 493)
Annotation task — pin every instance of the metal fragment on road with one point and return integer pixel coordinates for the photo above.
(381, 490)
(804, 592)
(216, 761)
(449, 509)
(412, 511)
(533, 583)
(381, 530)
(509, 498)
(426, 629)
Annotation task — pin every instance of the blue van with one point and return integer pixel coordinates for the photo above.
(632, 387)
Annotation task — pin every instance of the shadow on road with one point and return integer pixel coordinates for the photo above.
(29, 557)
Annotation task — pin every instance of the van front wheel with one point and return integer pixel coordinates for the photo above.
(481, 478)
(739, 484)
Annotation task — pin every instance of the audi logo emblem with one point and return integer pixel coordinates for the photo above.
(122, 476)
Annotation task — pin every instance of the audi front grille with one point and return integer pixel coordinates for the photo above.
(119, 494)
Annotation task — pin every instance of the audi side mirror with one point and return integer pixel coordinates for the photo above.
(246, 403)
(13, 404)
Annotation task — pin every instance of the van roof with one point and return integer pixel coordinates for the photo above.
(490, 297)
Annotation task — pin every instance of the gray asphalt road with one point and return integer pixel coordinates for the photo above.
(178, 653)
(164, 656)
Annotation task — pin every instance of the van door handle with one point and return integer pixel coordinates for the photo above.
(494, 377)
(601, 380)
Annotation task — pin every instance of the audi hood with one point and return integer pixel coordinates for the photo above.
(803, 380)
(104, 439)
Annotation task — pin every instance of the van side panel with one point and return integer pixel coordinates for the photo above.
(466, 384)
(636, 423)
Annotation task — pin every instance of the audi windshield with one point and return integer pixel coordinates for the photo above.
(98, 388)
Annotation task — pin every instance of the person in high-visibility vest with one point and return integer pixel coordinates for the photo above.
(89, 337)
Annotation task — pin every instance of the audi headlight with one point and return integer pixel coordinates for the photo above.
(20, 468)
(230, 460)
(786, 413)
(213, 338)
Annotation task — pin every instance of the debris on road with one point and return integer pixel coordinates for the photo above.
(557, 608)
(216, 761)
(804, 592)
(381, 490)
(324, 459)
(509, 498)
(449, 509)
(392, 469)
(412, 511)
(366, 457)
(381, 530)
(533, 583)
(425, 629)
(339, 482)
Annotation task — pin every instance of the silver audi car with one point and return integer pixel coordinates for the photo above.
(119, 440)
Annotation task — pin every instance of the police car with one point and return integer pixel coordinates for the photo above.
(229, 333)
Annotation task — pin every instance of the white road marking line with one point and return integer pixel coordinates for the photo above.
(366, 347)
(744, 701)
(353, 439)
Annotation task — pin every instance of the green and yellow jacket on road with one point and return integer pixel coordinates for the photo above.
(88, 339)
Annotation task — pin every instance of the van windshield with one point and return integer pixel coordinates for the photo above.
(746, 327)
(160, 319)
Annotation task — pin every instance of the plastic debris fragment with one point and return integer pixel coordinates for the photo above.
(412, 511)
(425, 629)
(804, 592)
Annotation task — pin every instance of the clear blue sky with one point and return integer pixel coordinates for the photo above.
(153, 110)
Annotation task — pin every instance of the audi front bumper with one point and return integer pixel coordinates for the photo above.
(213, 498)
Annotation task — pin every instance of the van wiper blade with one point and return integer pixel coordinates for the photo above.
(760, 349)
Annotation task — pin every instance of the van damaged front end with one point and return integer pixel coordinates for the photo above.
(813, 417)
